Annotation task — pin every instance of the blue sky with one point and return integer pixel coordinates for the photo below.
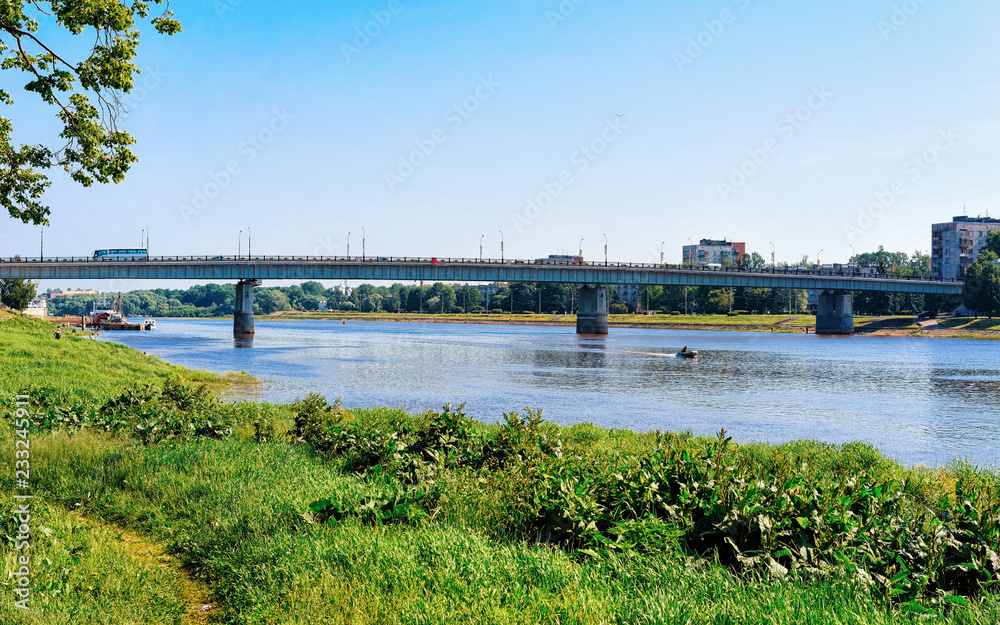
(809, 125)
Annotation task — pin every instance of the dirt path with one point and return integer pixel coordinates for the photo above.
(195, 594)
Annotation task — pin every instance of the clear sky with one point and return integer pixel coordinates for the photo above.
(812, 125)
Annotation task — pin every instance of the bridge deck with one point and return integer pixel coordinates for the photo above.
(300, 268)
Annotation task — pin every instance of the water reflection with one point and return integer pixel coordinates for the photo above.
(241, 341)
(920, 400)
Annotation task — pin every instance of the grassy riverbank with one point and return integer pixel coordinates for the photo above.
(318, 514)
(30, 356)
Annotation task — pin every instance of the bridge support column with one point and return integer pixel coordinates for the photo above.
(835, 314)
(243, 312)
(592, 312)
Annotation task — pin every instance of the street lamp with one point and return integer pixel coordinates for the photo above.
(605, 250)
(581, 250)
(239, 246)
(481, 248)
(818, 265)
(501, 246)
(147, 240)
(661, 251)
(249, 244)
(348, 246)
(363, 246)
(853, 255)
(772, 257)
(690, 258)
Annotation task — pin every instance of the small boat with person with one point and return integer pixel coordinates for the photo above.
(686, 353)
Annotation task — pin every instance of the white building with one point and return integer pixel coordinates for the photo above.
(711, 252)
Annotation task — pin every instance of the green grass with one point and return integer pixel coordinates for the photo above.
(30, 355)
(970, 323)
(83, 573)
(233, 512)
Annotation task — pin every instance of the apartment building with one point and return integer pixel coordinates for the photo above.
(955, 245)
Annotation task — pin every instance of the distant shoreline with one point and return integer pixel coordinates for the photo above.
(795, 324)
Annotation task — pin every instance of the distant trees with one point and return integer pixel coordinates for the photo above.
(17, 294)
(992, 243)
(981, 291)
(267, 301)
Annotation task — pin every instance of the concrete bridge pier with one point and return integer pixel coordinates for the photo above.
(243, 312)
(592, 311)
(835, 314)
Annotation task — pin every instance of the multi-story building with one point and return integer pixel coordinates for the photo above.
(955, 245)
(710, 252)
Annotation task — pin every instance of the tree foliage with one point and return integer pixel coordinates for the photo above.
(17, 294)
(992, 243)
(981, 291)
(84, 92)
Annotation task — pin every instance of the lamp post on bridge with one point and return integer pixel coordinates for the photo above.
(605, 249)
(239, 246)
(362, 245)
(854, 265)
(348, 246)
(501, 247)
(772, 257)
(249, 245)
(581, 251)
(661, 251)
(481, 248)
(818, 264)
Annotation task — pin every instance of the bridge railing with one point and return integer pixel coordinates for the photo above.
(847, 272)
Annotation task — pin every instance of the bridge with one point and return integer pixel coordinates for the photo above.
(835, 314)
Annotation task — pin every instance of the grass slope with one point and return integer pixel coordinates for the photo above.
(30, 355)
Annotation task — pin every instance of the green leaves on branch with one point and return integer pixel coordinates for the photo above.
(95, 149)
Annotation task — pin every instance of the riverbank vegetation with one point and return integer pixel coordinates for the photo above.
(316, 513)
(78, 365)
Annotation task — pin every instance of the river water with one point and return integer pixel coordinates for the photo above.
(919, 400)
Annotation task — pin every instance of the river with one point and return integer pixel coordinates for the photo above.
(919, 400)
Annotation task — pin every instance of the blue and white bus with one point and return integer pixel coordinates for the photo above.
(121, 254)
